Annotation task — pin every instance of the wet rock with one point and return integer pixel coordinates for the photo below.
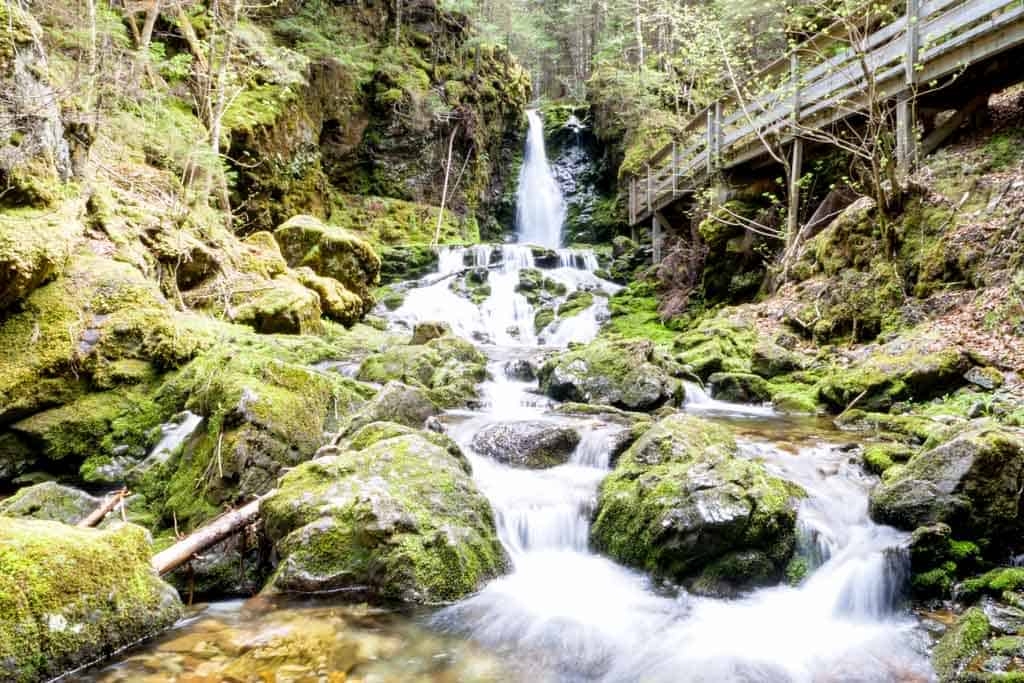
(331, 252)
(717, 345)
(399, 520)
(375, 432)
(426, 331)
(739, 387)
(401, 263)
(396, 402)
(681, 503)
(52, 501)
(960, 644)
(236, 567)
(522, 370)
(972, 483)
(527, 443)
(70, 596)
(622, 374)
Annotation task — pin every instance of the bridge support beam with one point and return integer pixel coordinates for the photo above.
(796, 171)
(906, 135)
(659, 226)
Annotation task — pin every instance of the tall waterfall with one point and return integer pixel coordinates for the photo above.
(540, 207)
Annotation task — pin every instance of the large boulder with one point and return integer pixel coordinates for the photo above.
(70, 596)
(331, 252)
(336, 302)
(682, 503)
(399, 520)
(527, 443)
(888, 377)
(448, 367)
(623, 374)
(973, 483)
(739, 387)
(52, 501)
(282, 306)
(33, 249)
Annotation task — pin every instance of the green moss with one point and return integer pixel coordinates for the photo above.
(440, 547)
(389, 221)
(961, 642)
(716, 345)
(575, 304)
(69, 596)
(650, 516)
(542, 318)
(1009, 646)
(449, 367)
(879, 457)
(994, 582)
(796, 570)
(634, 315)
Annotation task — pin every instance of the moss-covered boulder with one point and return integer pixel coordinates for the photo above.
(34, 246)
(682, 503)
(448, 367)
(739, 387)
(960, 644)
(70, 596)
(426, 331)
(400, 263)
(716, 345)
(527, 443)
(281, 306)
(399, 520)
(52, 501)
(885, 378)
(331, 252)
(336, 302)
(769, 359)
(623, 374)
(972, 483)
(396, 403)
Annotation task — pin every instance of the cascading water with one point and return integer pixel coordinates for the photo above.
(540, 208)
(564, 613)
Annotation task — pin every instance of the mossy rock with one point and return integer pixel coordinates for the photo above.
(34, 246)
(994, 582)
(281, 306)
(263, 414)
(336, 302)
(396, 403)
(653, 514)
(576, 303)
(542, 318)
(884, 379)
(971, 483)
(406, 262)
(769, 360)
(879, 457)
(623, 374)
(448, 367)
(739, 387)
(70, 596)
(398, 520)
(51, 501)
(716, 345)
(331, 252)
(534, 444)
(960, 644)
(937, 559)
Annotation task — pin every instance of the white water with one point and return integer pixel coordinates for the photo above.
(540, 208)
(564, 613)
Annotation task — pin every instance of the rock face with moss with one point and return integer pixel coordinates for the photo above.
(331, 252)
(682, 503)
(624, 374)
(398, 520)
(70, 596)
(973, 483)
(527, 443)
(52, 501)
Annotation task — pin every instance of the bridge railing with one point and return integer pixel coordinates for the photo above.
(931, 40)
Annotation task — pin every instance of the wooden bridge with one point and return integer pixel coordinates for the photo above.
(932, 41)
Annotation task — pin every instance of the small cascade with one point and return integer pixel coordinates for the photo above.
(700, 401)
(540, 208)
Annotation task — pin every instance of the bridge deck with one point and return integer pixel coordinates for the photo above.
(933, 40)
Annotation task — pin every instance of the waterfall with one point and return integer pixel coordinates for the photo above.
(564, 613)
(540, 208)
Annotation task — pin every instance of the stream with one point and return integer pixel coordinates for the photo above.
(562, 612)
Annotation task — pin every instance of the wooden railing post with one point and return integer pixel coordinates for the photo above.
(718, 135)
(711, 142)
(905, 117)
(675, 167)
(650, 189)
(794, 78)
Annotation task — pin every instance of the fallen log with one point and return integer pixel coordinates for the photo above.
(216, 531)
(109, 503)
